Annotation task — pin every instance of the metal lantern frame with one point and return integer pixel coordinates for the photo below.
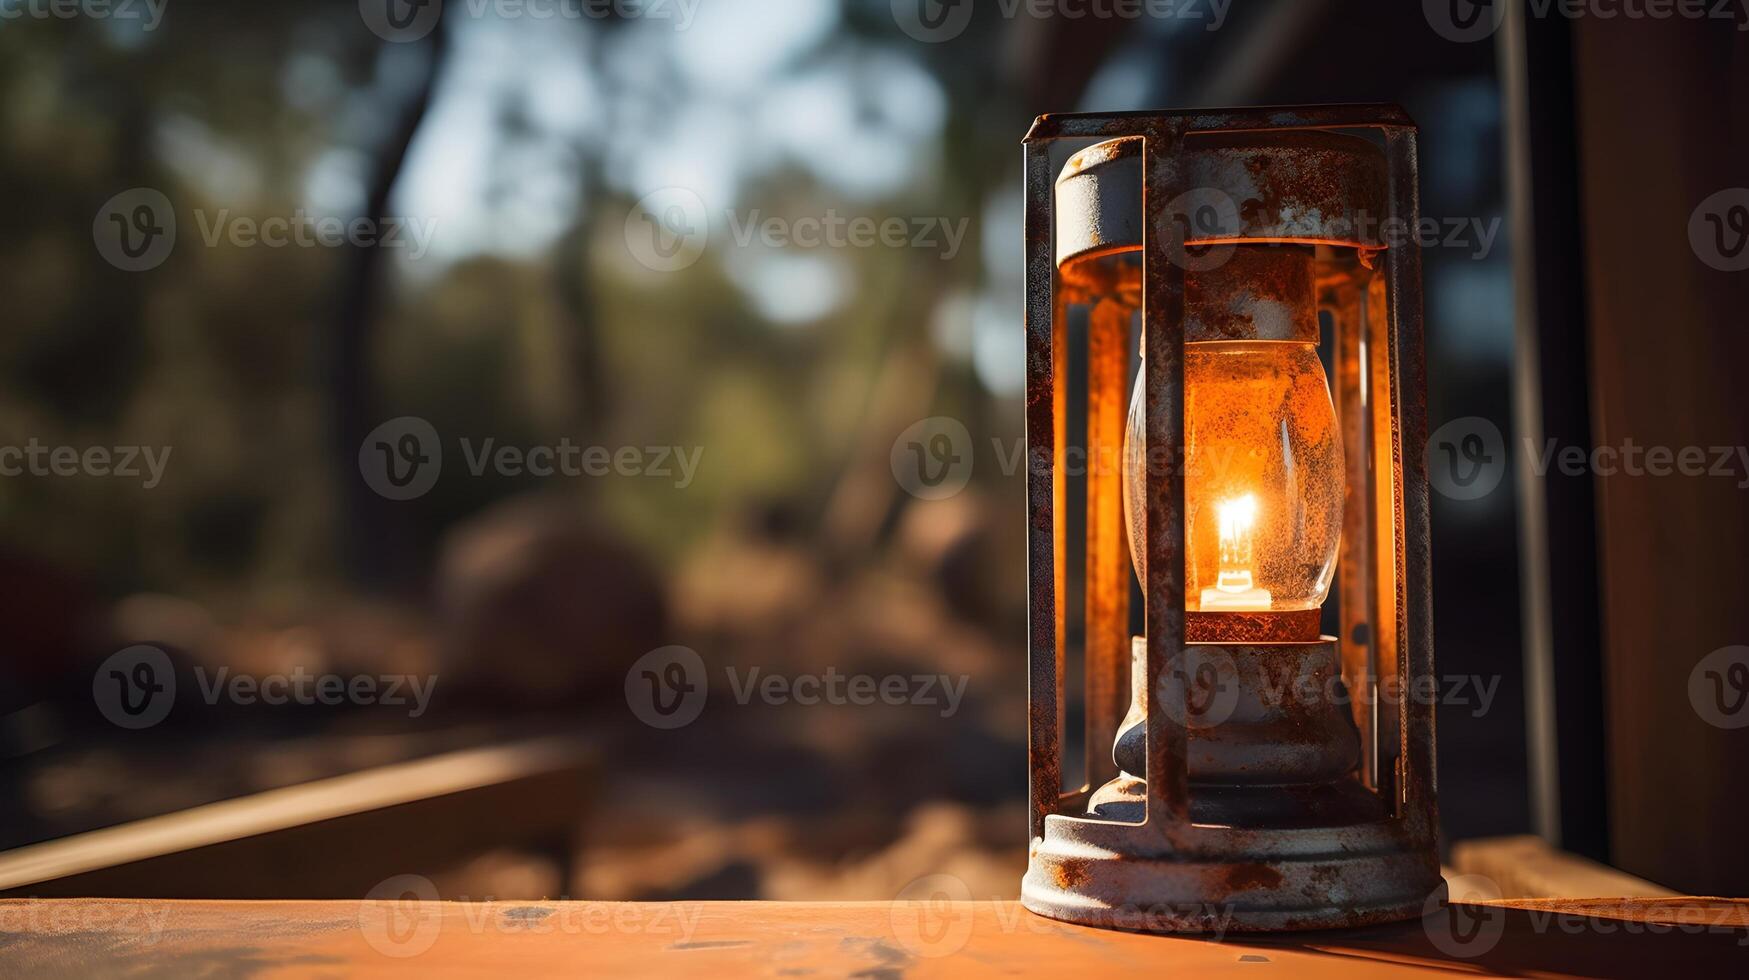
(1169, 873)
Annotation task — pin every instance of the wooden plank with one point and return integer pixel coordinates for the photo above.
(366, 826)
(1527, 867)
(1664, 125)
(1688, 937)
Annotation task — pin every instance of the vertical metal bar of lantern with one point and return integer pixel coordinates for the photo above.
(1163, 344)
(1418, 788)
(1359, 610)
(1044, 603)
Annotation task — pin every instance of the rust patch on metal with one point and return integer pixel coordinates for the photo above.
(1242, 877)
(1297, 626)
(1069, 873)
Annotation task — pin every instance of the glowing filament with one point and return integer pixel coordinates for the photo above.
(1235, 589)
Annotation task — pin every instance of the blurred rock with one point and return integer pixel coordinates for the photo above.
(541, 607)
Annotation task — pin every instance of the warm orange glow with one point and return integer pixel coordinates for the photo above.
(1235, 588)
(1263, 478)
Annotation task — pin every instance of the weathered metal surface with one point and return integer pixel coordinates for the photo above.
(1044, 611)
(1167, 775)
(1294, 626)
(1271, 741)
(1353, 869)
(1418, 783)
(918, 939)
(1305, 186)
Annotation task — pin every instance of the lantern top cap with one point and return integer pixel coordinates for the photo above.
(1298, 186)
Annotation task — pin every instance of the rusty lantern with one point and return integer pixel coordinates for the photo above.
(1261, 775)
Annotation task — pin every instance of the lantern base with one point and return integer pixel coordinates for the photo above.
(1325, 887)
(1282, 835)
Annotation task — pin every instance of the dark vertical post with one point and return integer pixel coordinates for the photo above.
(1044, 604)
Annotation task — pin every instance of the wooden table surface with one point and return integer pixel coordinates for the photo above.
(1674, 939)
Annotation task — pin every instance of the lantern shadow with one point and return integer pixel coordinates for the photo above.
(1580, 938)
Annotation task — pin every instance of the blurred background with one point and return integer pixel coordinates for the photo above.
(534, 225)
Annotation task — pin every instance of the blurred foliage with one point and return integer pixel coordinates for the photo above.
(224, 352)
